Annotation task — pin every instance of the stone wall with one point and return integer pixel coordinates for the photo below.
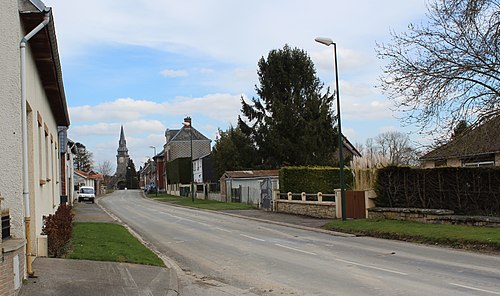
(431, 216)
(306, 208)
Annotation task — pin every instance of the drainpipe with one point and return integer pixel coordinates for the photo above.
(26, 195)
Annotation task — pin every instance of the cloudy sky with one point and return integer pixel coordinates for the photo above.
(146, 64)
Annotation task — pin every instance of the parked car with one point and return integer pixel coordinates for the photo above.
(150, 188)
(86, 193)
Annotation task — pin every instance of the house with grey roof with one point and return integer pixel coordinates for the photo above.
(180, 144)
(474, 148)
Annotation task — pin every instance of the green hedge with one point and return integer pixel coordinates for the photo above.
(179, 171)
(313, 179)
(467, 191)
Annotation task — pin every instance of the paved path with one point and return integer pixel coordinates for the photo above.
(67, 277)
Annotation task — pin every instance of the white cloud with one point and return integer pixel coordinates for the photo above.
(174, 73)
(348, 59)
(222, 107)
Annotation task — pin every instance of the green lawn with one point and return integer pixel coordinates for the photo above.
(199, 203)
(108, 242)
(459, 236)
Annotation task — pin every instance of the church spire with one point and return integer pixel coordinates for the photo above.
(122, 144)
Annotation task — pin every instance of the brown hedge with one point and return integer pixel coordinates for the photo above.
(58, 228)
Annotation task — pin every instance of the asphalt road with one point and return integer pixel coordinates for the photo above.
(223, 255)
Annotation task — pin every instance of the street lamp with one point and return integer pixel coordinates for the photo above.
(328, 42)
(187, 124)
(156, 170)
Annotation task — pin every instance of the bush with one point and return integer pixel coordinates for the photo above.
(466, 191)
(313, 179)
(58, 228)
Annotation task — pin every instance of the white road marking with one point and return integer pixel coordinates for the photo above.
(205, 224)
(372, 267)
(222, 229)
(475, 289)
(251, 237)
(294, 249)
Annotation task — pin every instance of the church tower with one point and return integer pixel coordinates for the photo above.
(122, 159)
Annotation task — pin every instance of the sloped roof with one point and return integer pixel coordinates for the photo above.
(349, 146)
(184, 134)
(45, 53)
(90, 175)
(251, 174)
(484, 139)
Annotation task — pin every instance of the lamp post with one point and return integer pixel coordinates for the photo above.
(187, 124)
(328, 42)
(156, 170)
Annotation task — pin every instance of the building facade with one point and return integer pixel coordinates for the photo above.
(34, 116)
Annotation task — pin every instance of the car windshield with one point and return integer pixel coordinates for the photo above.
(87, 190)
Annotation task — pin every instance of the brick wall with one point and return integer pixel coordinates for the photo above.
(7, 287)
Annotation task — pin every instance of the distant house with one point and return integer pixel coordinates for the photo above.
(245, 186)
(177, 147)
(34, 118)
(348, 149)
(476, 147)
(91, 179)
(159, 170)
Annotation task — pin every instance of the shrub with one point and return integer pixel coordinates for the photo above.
(58, 227)
(467, 191)
(313, 179)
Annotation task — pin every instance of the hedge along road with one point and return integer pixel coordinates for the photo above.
(223, 254)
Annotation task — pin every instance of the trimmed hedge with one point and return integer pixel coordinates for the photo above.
(313, 179)
(466, 191)
(179, 170)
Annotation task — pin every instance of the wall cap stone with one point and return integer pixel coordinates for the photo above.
(323, 203)
(13, 244)
(413, 210)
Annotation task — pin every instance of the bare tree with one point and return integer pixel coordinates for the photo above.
(106, 169)
(447, 69)
(397, 147)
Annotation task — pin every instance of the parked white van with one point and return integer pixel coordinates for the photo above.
(86, 193)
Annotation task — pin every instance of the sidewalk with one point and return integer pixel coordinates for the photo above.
(58, 277)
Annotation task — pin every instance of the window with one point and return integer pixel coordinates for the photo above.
(479, 161)
(479, 164)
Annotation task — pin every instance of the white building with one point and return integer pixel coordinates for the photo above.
(36, 80)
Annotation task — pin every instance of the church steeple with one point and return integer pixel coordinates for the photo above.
(122, 145)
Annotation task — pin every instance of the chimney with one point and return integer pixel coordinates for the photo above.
(187, 121)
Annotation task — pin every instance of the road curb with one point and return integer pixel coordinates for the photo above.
(173, 289)
(319, 230)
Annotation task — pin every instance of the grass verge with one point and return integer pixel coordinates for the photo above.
(199, 203)
(457, 236)
(108, 242)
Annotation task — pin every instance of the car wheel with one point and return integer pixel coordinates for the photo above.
(92, 200)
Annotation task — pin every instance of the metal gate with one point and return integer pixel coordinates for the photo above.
(266, 193)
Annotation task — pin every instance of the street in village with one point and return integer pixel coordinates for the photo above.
(218, 254)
